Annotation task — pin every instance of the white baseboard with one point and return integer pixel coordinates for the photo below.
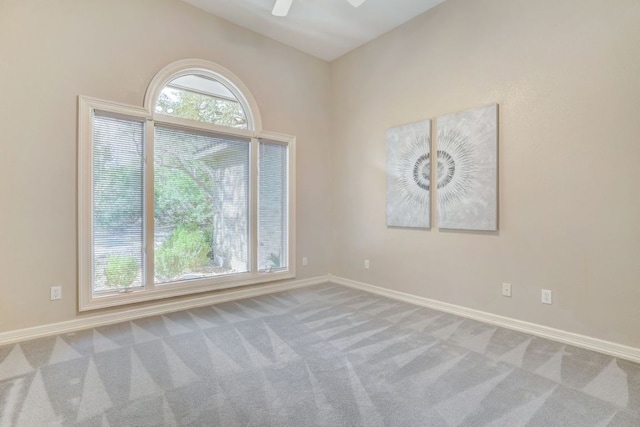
(156, 309)
(583, 341)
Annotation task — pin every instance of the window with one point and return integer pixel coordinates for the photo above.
(196, 97)
(184, 195)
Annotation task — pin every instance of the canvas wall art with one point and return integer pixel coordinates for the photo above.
(467, 172)
(408, 175)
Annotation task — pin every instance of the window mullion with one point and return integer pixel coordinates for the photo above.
(149, 282)
(253, 205)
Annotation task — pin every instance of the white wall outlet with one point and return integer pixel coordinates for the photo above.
(546, 296)
(56, 293)
(506, 289)
(305, 261)
(366, 263)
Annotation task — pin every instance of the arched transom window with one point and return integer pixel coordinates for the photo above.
(201, 98)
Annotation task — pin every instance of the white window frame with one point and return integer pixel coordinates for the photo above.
(87, 300)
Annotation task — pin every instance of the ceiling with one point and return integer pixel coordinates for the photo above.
(326, 29)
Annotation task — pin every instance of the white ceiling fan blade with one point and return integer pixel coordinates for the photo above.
(356, 3)
(281, 8)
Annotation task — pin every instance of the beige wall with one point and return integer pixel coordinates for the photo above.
(53, 51)
(566, 77)
(564, 73)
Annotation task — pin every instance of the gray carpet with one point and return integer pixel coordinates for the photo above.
(319, 356)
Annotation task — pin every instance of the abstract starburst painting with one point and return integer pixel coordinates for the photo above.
(408, 175)
(467, 171)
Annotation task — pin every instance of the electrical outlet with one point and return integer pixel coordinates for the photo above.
(366, 263)
(506, 289)
(305, 261)
(56, 293)
(546, 296)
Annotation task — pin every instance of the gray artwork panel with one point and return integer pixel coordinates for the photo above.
(408, 175)
(468, 169)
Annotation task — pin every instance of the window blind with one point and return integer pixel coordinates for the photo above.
(118, 199)
(201, 193)
(272, 206)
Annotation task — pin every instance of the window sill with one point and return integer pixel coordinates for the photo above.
(177, 289)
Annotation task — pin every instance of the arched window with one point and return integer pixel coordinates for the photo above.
(205, 92)
(197, 97)
(186, 194)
